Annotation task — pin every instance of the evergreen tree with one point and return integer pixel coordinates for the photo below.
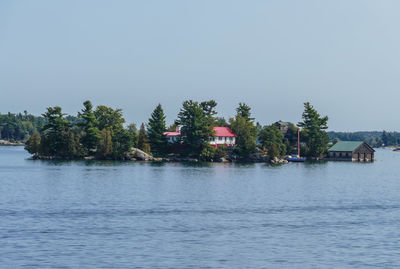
(122, 143)
(313, 133)
(143, 140)
(209, 111)
(243, 126)
(272, 139)
(89, 124)
(156, 129)
(196, 131)
(55, 134)
(243, 111)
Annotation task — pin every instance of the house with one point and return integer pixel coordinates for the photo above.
(283, 126)
(351, 151)
(223, 136)
(173, 137)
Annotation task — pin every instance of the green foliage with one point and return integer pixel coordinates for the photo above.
(134, 132)
(272, 139)
(18, 127)
(313, 133)
(221, 152)
(196, 130)
(172, 127)
(122, 142)
(56, 134)
(143, 140)
(109, 118)
(60, 138)
(208, 153)
(33, 144)
(243, 111)
(243, 126)
(290, 138)
(105, 146)
(209, 111)
(89, 124)
(389, 139)
(155, 131)
(221, 122)
(373, 138)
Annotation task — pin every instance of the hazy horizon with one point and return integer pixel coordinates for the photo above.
(341, 56)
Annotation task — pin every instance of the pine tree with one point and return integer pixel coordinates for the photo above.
(313, 133)
(243, 126)
(55, 140)
(196, 130)
(156, 129)
(89, 124)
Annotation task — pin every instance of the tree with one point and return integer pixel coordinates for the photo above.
(143, 140)
(89, 124)
(195, 120)
(109, 118)
(105, 147)
(33, 144)
(55, 139)
(221, 122)
(243, 111)
(209, 111)
(243, 126)
(134, 133)
(272, 139)
(313, 133)
(156, 129)
(122, 143)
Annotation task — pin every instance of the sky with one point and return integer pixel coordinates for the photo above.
(342, 56)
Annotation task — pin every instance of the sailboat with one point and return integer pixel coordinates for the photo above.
(296, 158)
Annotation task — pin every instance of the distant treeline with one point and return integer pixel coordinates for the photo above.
(373, 138)
(19, 127)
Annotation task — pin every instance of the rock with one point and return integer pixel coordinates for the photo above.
(89, 158)
(223, 160)
(141, 155)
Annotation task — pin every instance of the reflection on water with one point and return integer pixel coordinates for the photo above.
(91, 214)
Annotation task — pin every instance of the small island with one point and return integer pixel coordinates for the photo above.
(197, 134)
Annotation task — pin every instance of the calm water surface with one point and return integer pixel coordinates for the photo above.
(143, 215)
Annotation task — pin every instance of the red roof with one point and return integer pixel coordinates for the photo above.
(172, 133)
(223, 131)
(219, 131)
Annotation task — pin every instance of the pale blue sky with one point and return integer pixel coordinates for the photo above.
(342, 56)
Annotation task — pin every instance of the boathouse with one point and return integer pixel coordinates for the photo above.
(356, 151)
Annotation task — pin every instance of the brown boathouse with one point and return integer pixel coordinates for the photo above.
(356, 151)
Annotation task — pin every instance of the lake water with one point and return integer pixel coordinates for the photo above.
(175, 215)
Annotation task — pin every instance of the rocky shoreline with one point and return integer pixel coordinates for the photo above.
(139, 155)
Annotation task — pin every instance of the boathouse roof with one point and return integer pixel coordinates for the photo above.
(346, 146)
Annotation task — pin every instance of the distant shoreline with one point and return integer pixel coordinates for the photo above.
(8, 143)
